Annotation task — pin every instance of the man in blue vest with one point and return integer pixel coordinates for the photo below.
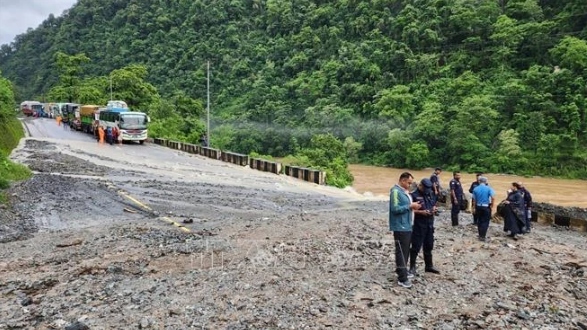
(484, 198)
(401, 215)
(423, 229)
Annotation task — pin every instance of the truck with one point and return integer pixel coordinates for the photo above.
(87, 115)
(70, 113)
(29, 108)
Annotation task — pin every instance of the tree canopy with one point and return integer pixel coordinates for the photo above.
(493, 85)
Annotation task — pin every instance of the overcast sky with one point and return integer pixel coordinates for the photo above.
(16, 16)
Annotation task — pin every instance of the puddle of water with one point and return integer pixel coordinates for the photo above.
(378, 180)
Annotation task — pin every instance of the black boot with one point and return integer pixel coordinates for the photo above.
(429, 268)
(412, 270)
(454, 219)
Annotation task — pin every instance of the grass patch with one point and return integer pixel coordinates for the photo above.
(3, 198)
(4, 184)
(10, 171)
(11, 132)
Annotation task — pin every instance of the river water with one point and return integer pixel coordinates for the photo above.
(378, 180)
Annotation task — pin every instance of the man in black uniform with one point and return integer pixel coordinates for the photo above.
(456, 195)
(473, 186)
(423, 229)
(434, 178)
(527, 207)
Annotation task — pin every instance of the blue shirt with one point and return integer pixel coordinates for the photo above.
(482, 194)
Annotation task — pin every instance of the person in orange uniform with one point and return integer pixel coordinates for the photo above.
(58, 120)
(101, 133)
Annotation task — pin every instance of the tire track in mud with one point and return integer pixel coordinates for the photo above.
(126, 199)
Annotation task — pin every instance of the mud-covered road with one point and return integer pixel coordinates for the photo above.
(139, 236)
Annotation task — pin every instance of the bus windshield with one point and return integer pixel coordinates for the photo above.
(133, 121)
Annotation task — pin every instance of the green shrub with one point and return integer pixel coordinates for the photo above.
(259, 156)
(325, 153)
(4, 184)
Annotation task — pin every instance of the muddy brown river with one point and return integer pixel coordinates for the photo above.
(378, 180)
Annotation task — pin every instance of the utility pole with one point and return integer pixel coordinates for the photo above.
(208, 106)
(110, 87)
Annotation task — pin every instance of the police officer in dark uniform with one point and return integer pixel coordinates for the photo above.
(456, 195)
(527, 207)
(474, 185)
(434, 178)
(423, 229)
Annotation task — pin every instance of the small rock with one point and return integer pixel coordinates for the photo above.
(77, 326)
(26, 301)
(523, 315)
(173, 311)
(505, 306)
(145, 323)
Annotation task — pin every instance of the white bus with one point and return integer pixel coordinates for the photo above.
(131, 125)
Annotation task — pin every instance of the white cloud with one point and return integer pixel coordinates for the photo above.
(16, 16)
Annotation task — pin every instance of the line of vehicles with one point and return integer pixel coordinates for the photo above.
(131, 125)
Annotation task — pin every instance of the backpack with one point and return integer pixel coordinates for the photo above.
(464, 203)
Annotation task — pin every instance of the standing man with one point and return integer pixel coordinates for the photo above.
(109, 135)
(527, 206)
(423, 229)
(401, 216)
(483, 196)
(456, 195)
(473, 186)
(101, 134)
(435, 179)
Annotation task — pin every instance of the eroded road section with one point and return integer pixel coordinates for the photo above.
(261, 251)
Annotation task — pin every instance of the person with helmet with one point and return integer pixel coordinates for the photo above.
(423, 228)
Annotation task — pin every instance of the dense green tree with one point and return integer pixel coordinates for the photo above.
(414, 83)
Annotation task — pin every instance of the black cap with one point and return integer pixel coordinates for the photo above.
(426, 183)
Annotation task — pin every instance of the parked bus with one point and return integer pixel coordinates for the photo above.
(131, 125)
(87, 115)
(29, 108)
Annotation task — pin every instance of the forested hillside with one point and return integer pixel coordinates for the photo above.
(496, 85)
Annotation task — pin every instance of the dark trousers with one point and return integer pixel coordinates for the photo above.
(483, 218)
(402, 253)
(528, 219)
(422, 236)
(454, 213)
(475, 217)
